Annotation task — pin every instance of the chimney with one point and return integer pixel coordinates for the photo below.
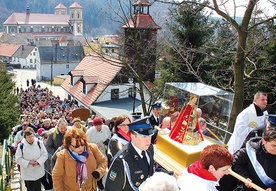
(28, 10)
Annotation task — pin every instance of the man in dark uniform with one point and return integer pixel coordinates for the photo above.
(156, 118)
(134, 163)
(258, 132)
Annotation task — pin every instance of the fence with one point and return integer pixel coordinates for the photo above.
(6, 165)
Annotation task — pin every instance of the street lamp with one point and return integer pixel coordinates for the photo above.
(133, 93)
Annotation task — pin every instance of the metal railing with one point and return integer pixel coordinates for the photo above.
(6, 165)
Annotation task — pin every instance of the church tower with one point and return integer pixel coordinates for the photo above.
(141, 40)
(75, 20)
(60, 9)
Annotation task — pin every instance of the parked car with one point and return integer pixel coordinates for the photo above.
(9, 68)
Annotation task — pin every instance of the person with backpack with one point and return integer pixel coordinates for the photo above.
(54, 141)
(31, 155)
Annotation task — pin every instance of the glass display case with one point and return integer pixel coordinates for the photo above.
(214, 103)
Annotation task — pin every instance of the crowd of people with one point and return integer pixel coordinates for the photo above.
(62, 152)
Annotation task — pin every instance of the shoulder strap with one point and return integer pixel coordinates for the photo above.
(120, 152)
(38, 143)
(127, 170)
(266, 180)
(21, 147)
(54, 134)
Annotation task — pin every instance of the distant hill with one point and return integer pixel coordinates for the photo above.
(99, 16)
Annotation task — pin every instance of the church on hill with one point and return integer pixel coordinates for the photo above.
(64, 22)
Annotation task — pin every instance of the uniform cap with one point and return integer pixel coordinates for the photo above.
(157, 105)
(272, 120)
(142, 127)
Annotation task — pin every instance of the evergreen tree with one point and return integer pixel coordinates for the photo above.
(191, 29)
(9, 112)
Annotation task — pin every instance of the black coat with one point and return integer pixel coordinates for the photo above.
(257, 132)
(116, 177)
(243, 166)
(153, 123)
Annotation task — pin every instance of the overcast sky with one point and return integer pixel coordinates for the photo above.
(263, 4)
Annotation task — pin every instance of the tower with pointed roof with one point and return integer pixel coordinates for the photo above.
(141, 40)
(60, 9)
(75, 20)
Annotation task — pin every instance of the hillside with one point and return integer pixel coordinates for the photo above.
(99, 17)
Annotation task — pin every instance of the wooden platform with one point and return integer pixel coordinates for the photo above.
(167, 162)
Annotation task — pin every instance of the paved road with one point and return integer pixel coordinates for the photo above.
(21, 76)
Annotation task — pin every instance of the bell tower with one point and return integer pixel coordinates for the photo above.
(75, 20)
(141, 40)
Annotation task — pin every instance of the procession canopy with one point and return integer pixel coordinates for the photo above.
(82, 113)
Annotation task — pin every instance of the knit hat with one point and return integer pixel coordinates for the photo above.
(40, 130)
(97, 121)
(76, 120)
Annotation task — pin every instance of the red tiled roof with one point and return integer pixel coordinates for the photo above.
(35, 19)
(58, 34)
(62, 39)
(143, 21)
(91, 79)
(8, 49)
(77, 73)
(75, 4)
(92, 65)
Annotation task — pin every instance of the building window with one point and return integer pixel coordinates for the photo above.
(31, 60)
(84, 88)
(106, 51)
(114, 94)
(67, 65)
(71, 80)
(112, 50)
(34, 53)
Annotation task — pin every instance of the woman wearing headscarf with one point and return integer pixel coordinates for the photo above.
(79, 165)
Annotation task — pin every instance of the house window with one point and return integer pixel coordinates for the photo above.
(34, 53)
(71, 80)
(114, 94)
(106, 51)
(31, 60)
(67, 65)
(84, 88)
(112, 50)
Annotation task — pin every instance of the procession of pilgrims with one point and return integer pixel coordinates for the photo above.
(55, 150)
